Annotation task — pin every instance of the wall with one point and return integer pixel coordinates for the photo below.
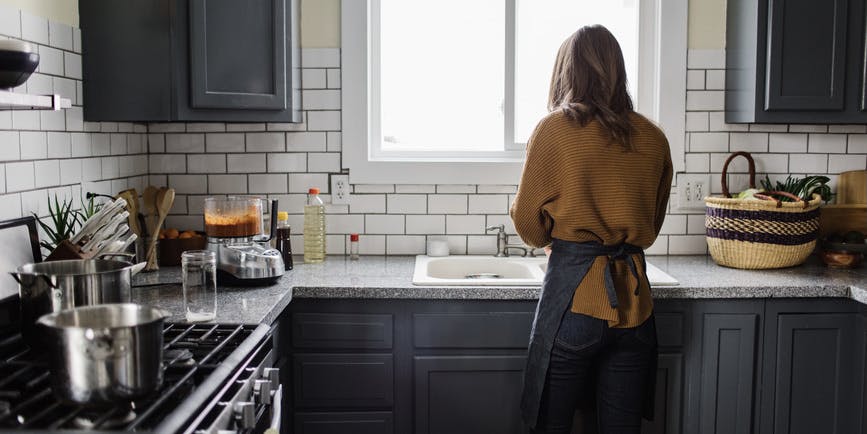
(43, 153)
(60, 11)
(283, 160)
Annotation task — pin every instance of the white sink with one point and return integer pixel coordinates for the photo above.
(492, 271)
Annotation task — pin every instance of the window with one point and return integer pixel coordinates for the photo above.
(448, 91)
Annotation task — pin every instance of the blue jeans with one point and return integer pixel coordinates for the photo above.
(595, 366)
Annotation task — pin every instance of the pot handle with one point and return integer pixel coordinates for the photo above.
(15, 276)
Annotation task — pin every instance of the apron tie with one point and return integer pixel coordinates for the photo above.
(620, 251)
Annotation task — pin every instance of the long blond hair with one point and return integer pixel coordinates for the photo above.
(589, 82)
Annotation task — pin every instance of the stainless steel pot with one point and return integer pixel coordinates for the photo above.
(53, 286)
(103, 354)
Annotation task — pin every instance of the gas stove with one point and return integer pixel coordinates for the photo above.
(217, 377)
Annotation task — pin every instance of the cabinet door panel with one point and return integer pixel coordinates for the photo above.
(472, 330)
(728, 364)
(238, 54)
(806, 55)
(468, 394)
(343, 380)
(814, 370)
(669, 389)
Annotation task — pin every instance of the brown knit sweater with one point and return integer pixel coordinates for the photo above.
(576, 186)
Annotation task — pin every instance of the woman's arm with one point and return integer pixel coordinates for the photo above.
(663, 191)
(537, 188)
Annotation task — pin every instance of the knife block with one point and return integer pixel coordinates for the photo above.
(64, 251)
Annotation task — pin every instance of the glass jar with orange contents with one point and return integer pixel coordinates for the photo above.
(234, 217)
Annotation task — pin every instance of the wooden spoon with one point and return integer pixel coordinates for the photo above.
(149, 205)
(131, 198)
(164, 200)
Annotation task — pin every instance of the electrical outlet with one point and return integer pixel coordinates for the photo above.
(692, 188)
(339, 189)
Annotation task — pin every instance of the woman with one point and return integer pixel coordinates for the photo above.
(594, 190)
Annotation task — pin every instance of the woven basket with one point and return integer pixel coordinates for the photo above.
(759, 234)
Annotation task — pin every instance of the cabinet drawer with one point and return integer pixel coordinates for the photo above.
(340, 330)
(343, 380)
(472, 330)
(374, 422)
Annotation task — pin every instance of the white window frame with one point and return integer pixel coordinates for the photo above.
(662, 97)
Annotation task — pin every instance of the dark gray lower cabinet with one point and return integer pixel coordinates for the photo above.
(468, 394)
(454, 367)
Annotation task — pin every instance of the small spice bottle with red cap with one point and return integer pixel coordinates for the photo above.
(353, 246)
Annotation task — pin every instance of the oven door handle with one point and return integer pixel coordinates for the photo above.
(276, 411)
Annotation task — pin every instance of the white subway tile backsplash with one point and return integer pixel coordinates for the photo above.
(768, 128)
(286, 126)
(501, 189)
(245, 163)
(695, 79)
(47, 173)
(488, 204)
(455, 188)
(320, 99)
(827, 143)
(25, 120)
(109, 127)
(323, 162)
(74, 119)
(72, 65)
(384, 224)
(708, 142)
(166, 128)
(697, 163)
(481, 245)
(118, 144)
(371, 244)
(857, 144)
(333, 76)
(367, 204)
(715, 79)
(306, 141)
(10, 22)
(206, 127)
(302, 182)
(266, 142)
(76, 40)
(843, 163)
(271, 183)
(344, 224)
(34, 145)
(156, 143)
(100, 144)
(673, 224)
(706, 59)
(50, 120)
(406, 204)
(10, 148)
(110, 167)
(245, 127)
(789, 143)
(697, 121)
(185, 143)
(372, 188)
(34, 28)
(808, 163)
(287, 163)
(313, 78)
(40, 84)
(659, 247)
(91, 169)
(465, 224)
(852, 129)
(323, 120)
(59, 145)
(414, 188)
(229, 142)
(226, 184)
(695, 224)
(206, 163)
(718, 123)
(687, 245)
(80, 144)
(426, 224)
(320, 57)
(60, 35)
(190, 184)
(20, 176)
(705, 100)
(447, 204)
(334, 141)
(50, 61)
(771, 163)
(405, 244)
(750, 142)
(800, 128)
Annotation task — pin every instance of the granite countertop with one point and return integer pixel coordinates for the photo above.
(390, 277)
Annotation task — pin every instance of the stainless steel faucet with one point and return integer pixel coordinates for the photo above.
(503, 245)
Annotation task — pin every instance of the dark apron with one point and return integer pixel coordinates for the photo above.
(568, 263)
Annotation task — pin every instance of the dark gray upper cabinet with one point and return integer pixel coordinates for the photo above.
(795, 61)
(191, 60)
